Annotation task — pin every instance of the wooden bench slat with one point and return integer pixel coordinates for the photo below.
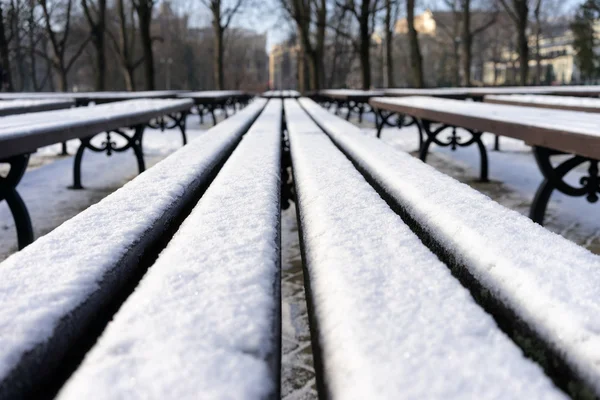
(14, 107)
(392, 321)
(205, 320)
(53, 291)
(549, 284)
(21, 134)
(568, 131)
(571, 103)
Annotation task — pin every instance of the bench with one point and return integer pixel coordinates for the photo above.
(280, 94)
(550, 133)
(570, 103)
(21, 135)
(59, 293)
(540, 288)
(208, 102)
(87, 98)
(354, 100)
(15, 107)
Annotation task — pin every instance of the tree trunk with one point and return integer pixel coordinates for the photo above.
(364, 47)
(415, 51)
(4, 55)
(389, 45)
(319, 56)
(219, 53)
(144, 10)
(523, 46)
(98, 42)
(538, 32)
(467, 41)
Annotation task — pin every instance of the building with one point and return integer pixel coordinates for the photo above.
(283, 65)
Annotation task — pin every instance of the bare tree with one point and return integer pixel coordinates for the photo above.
(6, 78)
(144, 12)
(467, 37)
(518, 10)
(222, 15)
(415, 52)
(96, 17)
(125, 44)
(538, 34)
(392, 8)
(59, 41)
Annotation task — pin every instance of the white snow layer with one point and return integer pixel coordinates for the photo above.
(27, 124)
(47, 280)
(350, 92)
(549, 282)
(7, 105)
(211, 94)
(393, 322)
(564, 101)
(557, 120)
(202, 322)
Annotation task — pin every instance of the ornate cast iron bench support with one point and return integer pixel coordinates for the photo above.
(453, 141)
(589, 186)
(171, 121)
(8, 192)
(382, 119)
(109, 146)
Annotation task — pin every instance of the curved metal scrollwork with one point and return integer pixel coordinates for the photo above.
(109, 146)
(383, 118)
(589, 186)
(8, 192)
(454, 140)
(170, 121)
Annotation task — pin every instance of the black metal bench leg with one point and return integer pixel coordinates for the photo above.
(64, 151)
(553, 180)
(212, 113)
(77, 163)
(360, 113)
(349, 113)
(18, 209)
(201, 114)
(181, 123)
(136, 145)
(453, 141)
(497, 143)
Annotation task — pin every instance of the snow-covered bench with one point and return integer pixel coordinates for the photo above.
(356, 101)
(570, 103)
(15, 107)
(549, 132)
(207, 102)
(366, 268)
(21, 135)
(204, 318)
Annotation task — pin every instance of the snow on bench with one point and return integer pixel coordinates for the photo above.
(85, 98)
(392, 321)
(206, 102)
(57, 290)
(14, 107)
(543, 287)
(585, 104)
(550, 132)
(353, 100)
(23, 134)
(205, 320)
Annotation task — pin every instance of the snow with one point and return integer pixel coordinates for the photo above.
(574, 122)
(42, 284)
(497, 90)
(204, 318)
(427, 92)
(393, 322)
(91, 95)
(211, 94)
(281, 93)
(8, 107)
(351, 93)
(97, 118)
(563, 101)
(547, 281)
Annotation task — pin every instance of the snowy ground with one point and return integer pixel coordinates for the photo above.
(44, 186)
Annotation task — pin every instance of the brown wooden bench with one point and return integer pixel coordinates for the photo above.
(549, 132)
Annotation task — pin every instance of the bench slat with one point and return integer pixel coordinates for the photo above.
(541, 280)
(54, 290)
(392, 321)
(14, 107)
(205, 320)
(585, 104)
(567, 131)
(21, 134)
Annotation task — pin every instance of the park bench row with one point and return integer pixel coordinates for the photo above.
(121, 125)
(418, 286)
(550, 132)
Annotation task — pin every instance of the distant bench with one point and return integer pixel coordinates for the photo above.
(355, 101)
(389, 320)
(207, 102)
(21, 135)
(549, 132)
(205, 318)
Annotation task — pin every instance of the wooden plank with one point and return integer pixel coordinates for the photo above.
(570, 103)
(57, 294)
(26, 133)
(16, 107)
(390, 320)
(567, 131)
